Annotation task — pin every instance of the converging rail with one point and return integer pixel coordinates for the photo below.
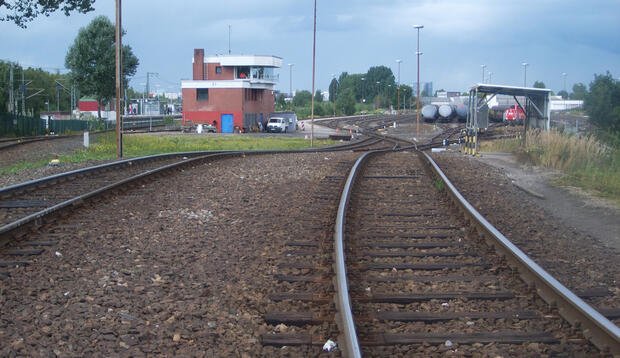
(29, 204)
(410, 276)
(599, 330)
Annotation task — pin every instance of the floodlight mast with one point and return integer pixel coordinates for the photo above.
(119, 84)
(418, 53)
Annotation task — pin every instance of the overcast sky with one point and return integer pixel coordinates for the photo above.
(553, 36)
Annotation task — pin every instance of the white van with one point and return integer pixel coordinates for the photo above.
(276, 124)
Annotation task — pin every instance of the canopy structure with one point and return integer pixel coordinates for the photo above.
(534, 102)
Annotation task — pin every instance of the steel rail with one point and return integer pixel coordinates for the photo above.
(599, 330)
(14, 187)
(37, 217)
(343, 301)
(95, 168)
(75, 201)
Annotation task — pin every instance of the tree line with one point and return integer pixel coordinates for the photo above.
(376, 89)
(91, 61)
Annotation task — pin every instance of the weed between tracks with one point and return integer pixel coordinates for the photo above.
(585, 162)
(439, 184)
(104, 147)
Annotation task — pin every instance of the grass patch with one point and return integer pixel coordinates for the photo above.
(584, 161)
(439, 184)
(505, 145)
(16, 168)
(136, 145)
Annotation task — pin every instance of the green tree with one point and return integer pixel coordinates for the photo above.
(406, 92)
(539, 84)
(92, 60)
(346, 101)
(23, 11)
(602, 103)
(318, 96)
(333, 89)
(302, 98)
(579, 91)
(380, 81)
(43, 89)
(564, 94)
(280, 100)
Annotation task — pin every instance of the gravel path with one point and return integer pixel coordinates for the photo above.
(578, 260)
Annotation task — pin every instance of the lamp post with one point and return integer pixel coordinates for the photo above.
(334, 94)
(290, 93)
(398, 106)
(418, 53)
(363, 94)
(119, 83)
(378, 90)
(490, 77)
(564, 75)
(313, 66)
(524, 64)
(483, 66)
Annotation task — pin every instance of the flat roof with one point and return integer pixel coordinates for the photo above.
(245, 60)
(510, 90)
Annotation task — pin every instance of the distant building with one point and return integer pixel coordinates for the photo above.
(90, 107)
(230, 91)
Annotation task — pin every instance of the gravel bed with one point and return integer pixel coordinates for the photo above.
(577, 260)
(42, 172)
(39, 150)
(184, 271)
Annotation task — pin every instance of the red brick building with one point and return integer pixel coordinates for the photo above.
(230, 90)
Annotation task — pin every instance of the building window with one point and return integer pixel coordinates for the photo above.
(218, 69)
(202, 94)
(243, 72)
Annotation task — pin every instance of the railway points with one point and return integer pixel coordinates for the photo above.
(197, 268)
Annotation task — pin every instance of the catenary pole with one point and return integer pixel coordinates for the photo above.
(313, 63)
(119, 133)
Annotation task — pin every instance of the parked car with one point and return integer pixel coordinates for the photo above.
(277, 125)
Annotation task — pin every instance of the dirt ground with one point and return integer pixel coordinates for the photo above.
(579, 210)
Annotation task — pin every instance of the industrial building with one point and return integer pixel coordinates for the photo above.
(231, 92)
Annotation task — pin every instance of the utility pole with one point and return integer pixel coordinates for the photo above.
(57, 97)
(11, 93)
(483, 66)
(23, 94)
(229, 39)
(398, 106)
(290, 77)
(418, 53)
(313, 62)
(119, 84)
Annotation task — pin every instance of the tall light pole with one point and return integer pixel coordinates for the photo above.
(524, 64)
(564, 75)
(119, 84)
(418, 53)
(313, 62)
(363, 94)
(490, 77)
(334, 94)
(398, 106)
(290, 93)
(483, 66)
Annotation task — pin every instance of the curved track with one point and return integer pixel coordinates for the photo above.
(420, 280)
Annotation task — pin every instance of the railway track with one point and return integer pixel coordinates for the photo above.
(419, 279)
(386, 267)
(27, 206)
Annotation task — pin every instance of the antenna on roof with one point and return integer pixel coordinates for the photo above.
(229, 39)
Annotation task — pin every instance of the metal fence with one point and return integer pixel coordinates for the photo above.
(23, 126)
